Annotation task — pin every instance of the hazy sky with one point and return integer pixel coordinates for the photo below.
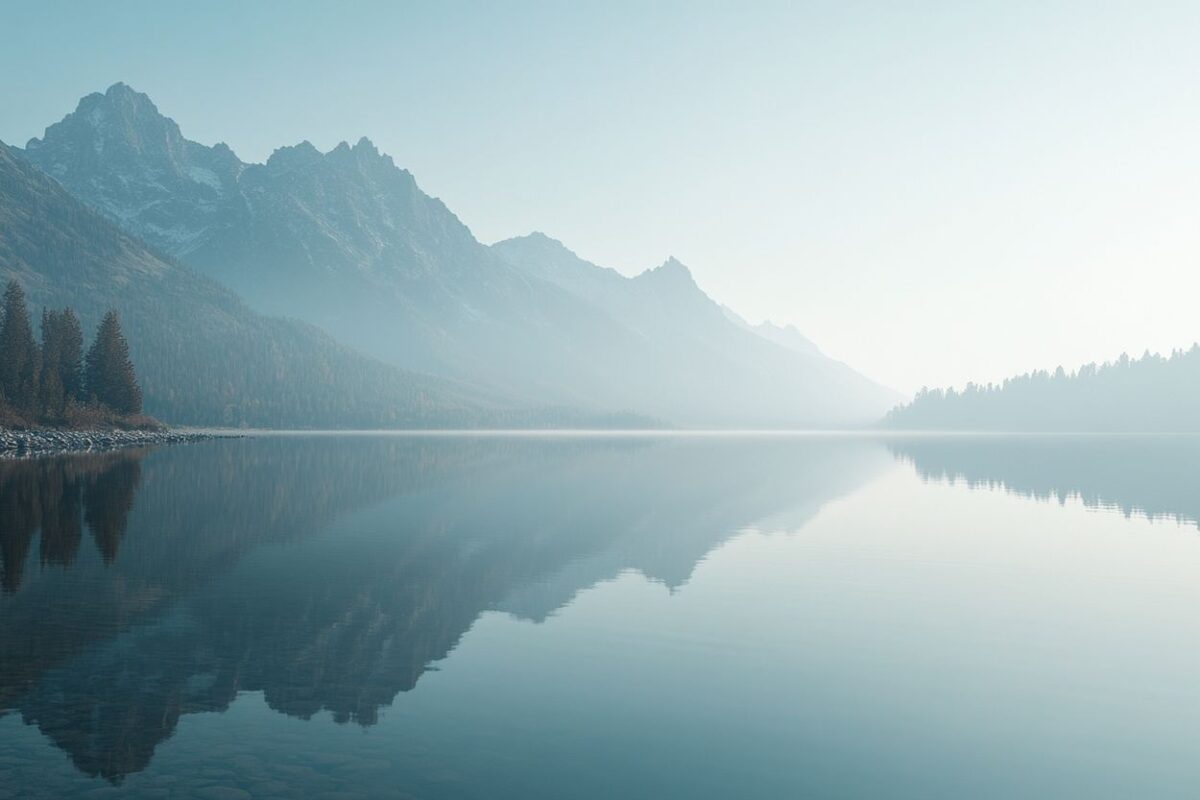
(934, 192)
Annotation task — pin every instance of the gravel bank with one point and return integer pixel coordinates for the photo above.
(42, 443)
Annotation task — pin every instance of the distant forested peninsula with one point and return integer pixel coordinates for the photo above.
(1151, 394)
(53, 383)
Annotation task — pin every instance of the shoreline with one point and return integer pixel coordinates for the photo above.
(38, 443)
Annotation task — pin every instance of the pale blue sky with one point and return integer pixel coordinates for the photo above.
(934, 192)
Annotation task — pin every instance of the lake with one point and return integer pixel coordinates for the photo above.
(607, 616)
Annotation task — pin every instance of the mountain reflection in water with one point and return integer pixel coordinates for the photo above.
(329, 573)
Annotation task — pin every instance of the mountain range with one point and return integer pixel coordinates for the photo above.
(347, 242)
(203, 357)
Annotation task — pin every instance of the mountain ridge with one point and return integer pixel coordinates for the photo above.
(347, 241)
(183, 327)
(665, 305)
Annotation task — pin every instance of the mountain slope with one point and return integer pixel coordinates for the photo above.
(347, 241)
(788, 336)
(202, 356)
(344, 240)
(706, 361)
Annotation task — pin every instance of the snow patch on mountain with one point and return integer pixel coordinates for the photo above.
(205, 176)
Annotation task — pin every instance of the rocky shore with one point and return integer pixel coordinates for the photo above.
(26, 443)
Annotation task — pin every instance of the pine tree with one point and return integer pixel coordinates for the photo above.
(19, 356)
(71, 355)
(52, 397)
(108, 372)
(62, 362)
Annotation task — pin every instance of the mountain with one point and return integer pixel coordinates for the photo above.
(1153, 394)
(140, 171)
(343, 240)
(704, 362)
(347, 241)
(202, 356)
(788, 336)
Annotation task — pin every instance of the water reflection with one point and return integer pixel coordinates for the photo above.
(330, 573)
(54, 497)
(1154, 476)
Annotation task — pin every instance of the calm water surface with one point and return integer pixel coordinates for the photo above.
(604, 617)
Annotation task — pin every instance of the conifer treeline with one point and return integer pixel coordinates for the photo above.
(42, 383)
(1153, 393)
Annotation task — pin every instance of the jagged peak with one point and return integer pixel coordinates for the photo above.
(535, 239)
(122, 112)
(124, 97)
(355, 163)
(672, 270)
(786, 335)
(299, 155)
(367, 153)
(363, 152)
(116, 114)
(304, 150)
(122, 89)
(543, 246)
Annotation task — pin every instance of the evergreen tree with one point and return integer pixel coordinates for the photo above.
(71, 354)
(19, 356)
(107, 503)
(52, 396)
(109, 375)
(62, 362)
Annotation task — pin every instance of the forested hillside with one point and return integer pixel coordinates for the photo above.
(202, 356)
(1150, 394)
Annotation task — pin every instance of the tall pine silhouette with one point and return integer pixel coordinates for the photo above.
(19, 355)
(52, 396)
(108, 373)
(71, 355)
(62, 361)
